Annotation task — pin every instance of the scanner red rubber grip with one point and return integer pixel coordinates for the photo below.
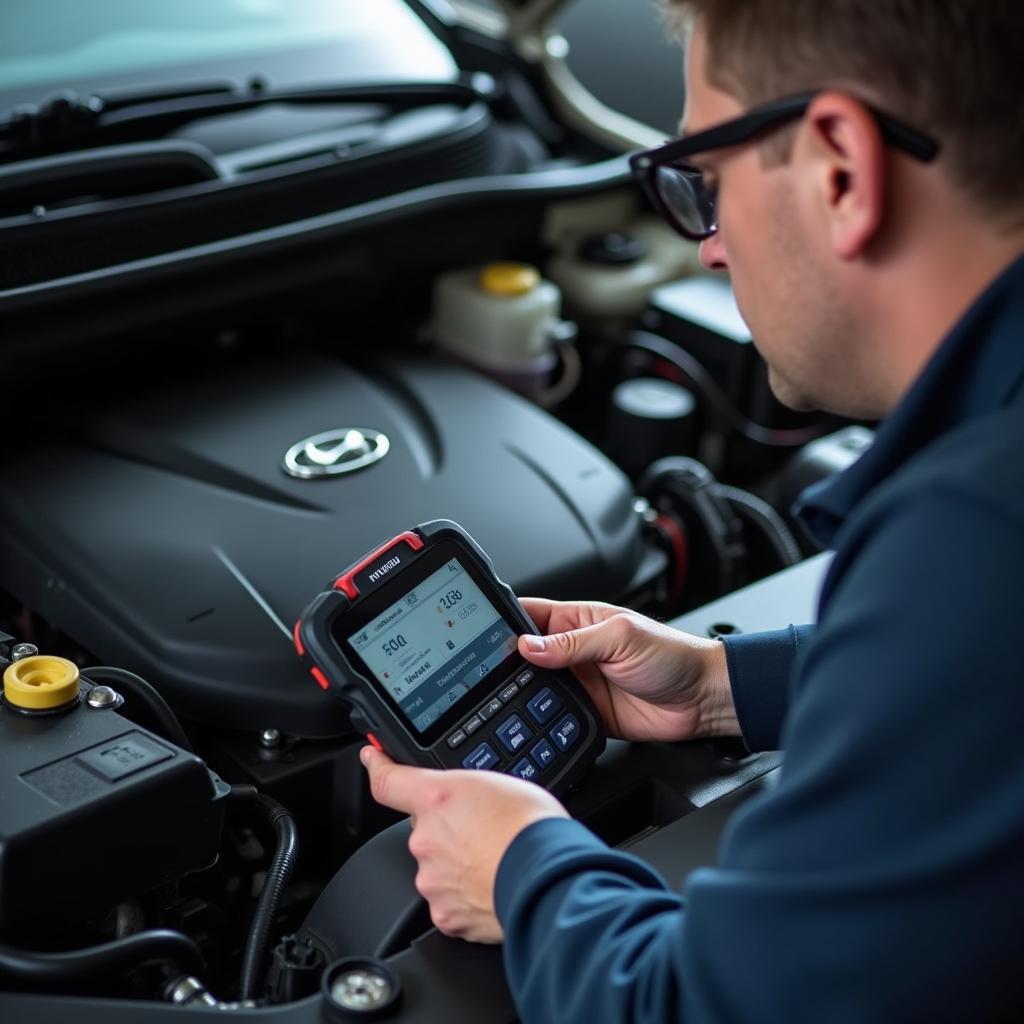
(346, 582)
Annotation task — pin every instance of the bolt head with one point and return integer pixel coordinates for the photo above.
(270, 739)
(103, 697)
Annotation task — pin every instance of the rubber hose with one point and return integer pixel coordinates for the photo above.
(160, 944)
(278, 874)
(771, 523)
(687, 481)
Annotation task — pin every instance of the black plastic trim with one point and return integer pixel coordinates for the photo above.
(278, 240)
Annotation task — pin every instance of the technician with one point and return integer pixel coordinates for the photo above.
(873, 230)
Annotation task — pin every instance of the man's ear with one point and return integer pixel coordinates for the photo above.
(848, 160)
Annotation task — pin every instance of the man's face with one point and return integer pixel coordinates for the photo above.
(779, 264)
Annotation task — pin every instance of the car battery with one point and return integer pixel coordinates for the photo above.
(699, 314)
(96, 809)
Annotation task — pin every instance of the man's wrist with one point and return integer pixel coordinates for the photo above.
(716, 709)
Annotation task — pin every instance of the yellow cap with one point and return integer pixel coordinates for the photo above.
(509, 279)
(41, 682)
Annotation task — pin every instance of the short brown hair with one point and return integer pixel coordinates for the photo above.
(951, 68)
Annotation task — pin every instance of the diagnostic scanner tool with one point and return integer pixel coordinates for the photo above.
(419, 637)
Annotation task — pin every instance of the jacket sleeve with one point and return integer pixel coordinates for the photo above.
(880, 879)
(760, 674)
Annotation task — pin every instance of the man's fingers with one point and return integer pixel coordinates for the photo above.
(560, 616)
(539, 609)
(393, 785)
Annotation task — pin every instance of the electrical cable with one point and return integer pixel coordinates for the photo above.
(278, 875)
(762, 515)
(145, 693)
(696, 376)
(117, 957)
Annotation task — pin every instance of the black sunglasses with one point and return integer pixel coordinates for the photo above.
(677, 189)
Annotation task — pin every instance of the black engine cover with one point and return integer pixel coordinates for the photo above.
(166, 537)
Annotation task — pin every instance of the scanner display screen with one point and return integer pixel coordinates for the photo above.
(435, 644)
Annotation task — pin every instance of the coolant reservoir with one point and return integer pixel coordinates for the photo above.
(612, 273)
(503, 318)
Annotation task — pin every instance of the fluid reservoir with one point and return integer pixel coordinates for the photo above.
(503, 318)
(612, 273)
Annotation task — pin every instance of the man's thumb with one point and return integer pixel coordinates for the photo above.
(589, 644)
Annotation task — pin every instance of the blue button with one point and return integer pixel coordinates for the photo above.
(526, 769)
(513, 733)
(566, 733)
(481, 758)
(544, 706)
(543, 753)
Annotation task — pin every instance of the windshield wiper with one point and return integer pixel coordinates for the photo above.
(67, 121)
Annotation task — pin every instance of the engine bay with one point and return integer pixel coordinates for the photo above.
(225, 386)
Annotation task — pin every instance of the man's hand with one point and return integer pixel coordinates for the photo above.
(463, 822)
(649, 681)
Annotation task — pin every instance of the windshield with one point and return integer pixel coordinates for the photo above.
(46, 42)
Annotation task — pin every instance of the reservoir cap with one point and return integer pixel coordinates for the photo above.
(509, 279)
(41, 682)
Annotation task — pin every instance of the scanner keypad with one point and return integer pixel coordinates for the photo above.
(524, 728)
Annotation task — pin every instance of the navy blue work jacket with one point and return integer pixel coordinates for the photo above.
(882, 879)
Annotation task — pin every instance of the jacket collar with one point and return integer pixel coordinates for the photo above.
(978, 368)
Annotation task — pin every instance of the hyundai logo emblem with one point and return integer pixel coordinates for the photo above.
(335, 452)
